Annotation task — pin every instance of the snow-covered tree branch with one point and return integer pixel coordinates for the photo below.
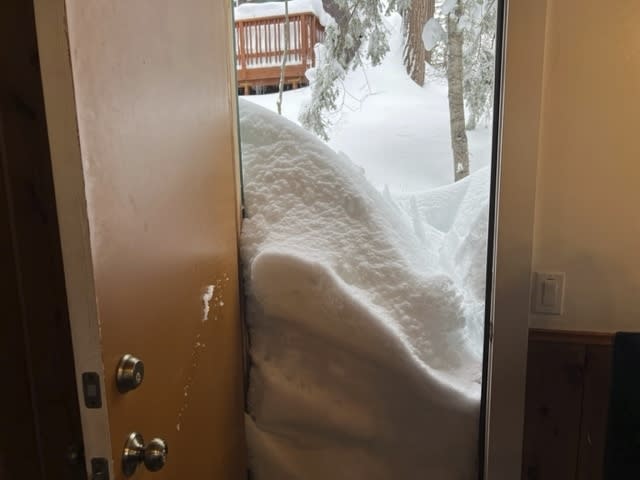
(356, 33)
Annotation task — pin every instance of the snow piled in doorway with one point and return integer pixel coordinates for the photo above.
(363, 314)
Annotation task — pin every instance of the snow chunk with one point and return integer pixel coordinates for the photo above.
(448, 6)
(360, 344)
(432, 33)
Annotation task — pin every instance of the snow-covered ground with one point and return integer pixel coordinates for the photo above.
(365, 272)
(394, 129)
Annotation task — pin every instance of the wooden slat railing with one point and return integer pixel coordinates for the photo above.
(260, 48)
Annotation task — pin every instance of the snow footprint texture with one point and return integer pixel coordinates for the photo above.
(362, 364)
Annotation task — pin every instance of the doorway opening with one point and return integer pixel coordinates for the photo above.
(368, 137)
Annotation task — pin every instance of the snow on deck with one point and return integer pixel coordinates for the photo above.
(248, 11)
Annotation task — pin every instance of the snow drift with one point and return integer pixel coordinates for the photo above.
(460, 212)
(364, 341)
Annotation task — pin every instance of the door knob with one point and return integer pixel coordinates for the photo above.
(154, 455)
(130, 373)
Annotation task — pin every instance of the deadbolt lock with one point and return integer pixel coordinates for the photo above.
(153, 455)
(130, 373)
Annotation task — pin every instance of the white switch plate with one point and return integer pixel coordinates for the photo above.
(548, 296)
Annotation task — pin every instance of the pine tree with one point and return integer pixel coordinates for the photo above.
(324, 92)
(357, 33)
(341, 14)
(479, 60)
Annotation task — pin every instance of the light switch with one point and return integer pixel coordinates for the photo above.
(548, 293)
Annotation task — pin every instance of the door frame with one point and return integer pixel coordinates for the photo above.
(515, 161)
(66, 156)
(521, 93)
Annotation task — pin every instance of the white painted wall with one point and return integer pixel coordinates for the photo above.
(587, 220)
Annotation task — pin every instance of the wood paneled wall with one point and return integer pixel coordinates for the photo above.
(568, 381)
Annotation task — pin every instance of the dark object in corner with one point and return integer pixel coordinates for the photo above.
(623, 437)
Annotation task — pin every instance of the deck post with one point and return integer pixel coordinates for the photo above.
(304, 24)
(242, 51)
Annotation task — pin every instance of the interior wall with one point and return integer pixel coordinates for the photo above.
(587, 220)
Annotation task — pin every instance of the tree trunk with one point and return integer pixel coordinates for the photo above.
(284, 55)
(456, 95)
(415, 55)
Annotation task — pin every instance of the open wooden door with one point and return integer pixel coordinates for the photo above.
(140, 107)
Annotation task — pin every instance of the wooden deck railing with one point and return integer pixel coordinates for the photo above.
(260, 46)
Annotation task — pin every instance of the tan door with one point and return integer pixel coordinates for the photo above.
(141, 117)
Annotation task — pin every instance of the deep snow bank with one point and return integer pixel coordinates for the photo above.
(364, 357)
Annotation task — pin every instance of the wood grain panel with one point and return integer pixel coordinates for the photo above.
(568, 387)
(552, 412)
(570, 336)
(595, 406)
